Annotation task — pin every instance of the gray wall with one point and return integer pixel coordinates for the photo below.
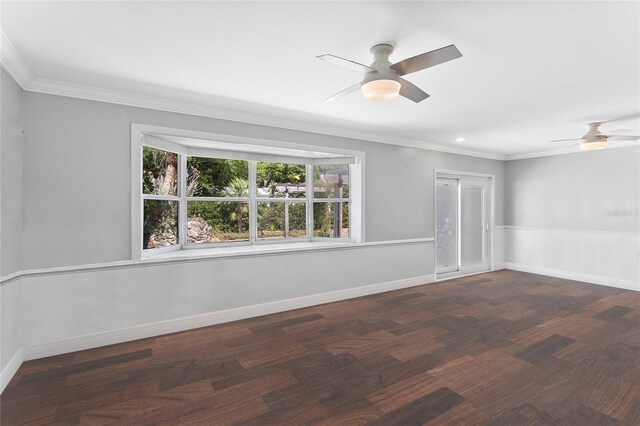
(579, 191)
(576, 216)
(11, 146)
(77, 178)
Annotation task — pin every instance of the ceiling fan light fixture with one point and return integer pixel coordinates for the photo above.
(594, 144)
(381, 90)
(595, 139)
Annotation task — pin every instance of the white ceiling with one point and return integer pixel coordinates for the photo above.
(531, 71)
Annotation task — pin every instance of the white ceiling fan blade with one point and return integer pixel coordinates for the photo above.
(623, 138)
(426, 60)
(344, 92)
(565, 140)
(617, 131)
(633, 116)
(346, 63)
(411, 91)
(573, 145)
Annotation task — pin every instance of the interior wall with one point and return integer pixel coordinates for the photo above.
(77, 178)
(576, 213)
(11, 148)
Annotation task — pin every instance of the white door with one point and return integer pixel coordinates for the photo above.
(463, 239)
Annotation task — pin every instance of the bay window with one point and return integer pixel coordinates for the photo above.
(197, 197)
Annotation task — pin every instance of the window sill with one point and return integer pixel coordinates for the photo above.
(248, 250)
(269, 249)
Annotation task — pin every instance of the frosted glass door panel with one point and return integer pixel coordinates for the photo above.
(473, 224)
(447, 225)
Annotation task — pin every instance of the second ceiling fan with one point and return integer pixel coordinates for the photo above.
(595, 139)
(383, 80)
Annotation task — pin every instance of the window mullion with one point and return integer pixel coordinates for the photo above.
(309, 192)
(253, 205)
(161, 197)
(229, 199)
(182, 205)
(332, 200)
(348, 202)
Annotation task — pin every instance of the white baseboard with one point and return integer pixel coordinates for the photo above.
(94, 340)
(10, 370)
(453, 275)
(599, 257)
(576, 276)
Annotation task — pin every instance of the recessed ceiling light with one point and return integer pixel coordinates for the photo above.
(460, 139)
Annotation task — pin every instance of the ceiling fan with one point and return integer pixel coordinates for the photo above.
(594, 139)
(383, 80)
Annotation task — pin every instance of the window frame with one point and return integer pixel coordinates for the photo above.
(332, 200)
(256, 200)
(186, 245)
(151, 136)
(158, 197)
(283, 240)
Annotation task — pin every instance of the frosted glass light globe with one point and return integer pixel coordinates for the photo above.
(596, 144)
(381, 90)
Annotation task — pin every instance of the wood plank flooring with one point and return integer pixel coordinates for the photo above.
(503, 348)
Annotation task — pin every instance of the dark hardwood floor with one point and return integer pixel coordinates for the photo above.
(503, 348)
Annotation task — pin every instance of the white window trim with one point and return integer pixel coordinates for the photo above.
(147, 135)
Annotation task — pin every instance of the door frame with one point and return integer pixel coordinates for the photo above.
(458, 174)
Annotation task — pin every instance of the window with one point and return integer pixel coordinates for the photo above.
(195, 198)
(160, 198)
(281, 193)
(217, 200)
(331, 204)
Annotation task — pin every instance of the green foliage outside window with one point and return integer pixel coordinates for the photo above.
(160, 170)
(216, 221)
(271, 219)
(216, 177)
(272, 178)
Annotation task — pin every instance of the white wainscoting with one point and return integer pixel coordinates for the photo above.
(598, 257)
(498, 247)
(45, 314)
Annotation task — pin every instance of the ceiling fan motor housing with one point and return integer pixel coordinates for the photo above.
(593, 139)
(594, 133)
(381, 64)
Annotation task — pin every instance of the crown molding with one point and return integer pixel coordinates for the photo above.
(561, 151)
(72, 90)
(13, 63)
